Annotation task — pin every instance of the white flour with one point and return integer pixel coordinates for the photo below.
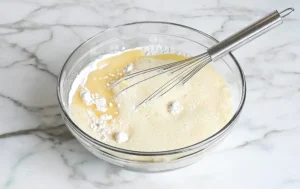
(101, 104)
(121, 137)
(175, 107)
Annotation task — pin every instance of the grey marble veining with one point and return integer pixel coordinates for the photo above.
(37, 150)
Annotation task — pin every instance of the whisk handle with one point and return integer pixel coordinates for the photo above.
(247, 34)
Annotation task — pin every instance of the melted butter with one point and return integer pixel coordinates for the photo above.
(98, 80)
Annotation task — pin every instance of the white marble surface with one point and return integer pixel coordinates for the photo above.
(37, 151)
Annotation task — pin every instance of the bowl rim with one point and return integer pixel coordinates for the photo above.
(154, 153)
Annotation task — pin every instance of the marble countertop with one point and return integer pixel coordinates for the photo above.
(37, 150)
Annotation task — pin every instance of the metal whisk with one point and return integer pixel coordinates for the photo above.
(187, 68)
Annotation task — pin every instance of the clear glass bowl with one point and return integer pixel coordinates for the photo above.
(178, 37)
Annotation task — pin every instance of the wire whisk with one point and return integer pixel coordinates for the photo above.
(184, 70)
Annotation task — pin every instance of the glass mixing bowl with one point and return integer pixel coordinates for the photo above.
(181, 39)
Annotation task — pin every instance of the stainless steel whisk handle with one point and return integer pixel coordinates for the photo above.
(247, 34)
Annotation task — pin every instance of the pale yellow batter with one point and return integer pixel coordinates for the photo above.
(205, 106)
